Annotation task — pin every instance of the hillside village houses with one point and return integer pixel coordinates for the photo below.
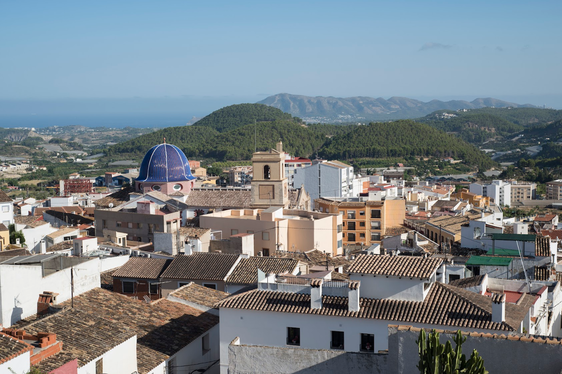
(161, 275)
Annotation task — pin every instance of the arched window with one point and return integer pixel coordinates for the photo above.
(266, 172)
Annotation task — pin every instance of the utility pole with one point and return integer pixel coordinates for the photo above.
(72, 287)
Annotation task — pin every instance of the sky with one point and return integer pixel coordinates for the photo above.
(148, 55)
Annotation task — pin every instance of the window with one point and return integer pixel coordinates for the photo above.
(233, 232)
(99, 366)
(212, 286)
(293, 336)
(5, 208)
(177, 187)
(351, 237)
(375, 213)
(265, 252)
(250, 231)
(453, 277)
(339, 228)
(351, 225)
(351, 214)
(361, 224)
(367, 342)
(118, 224)
(337, 340)
(362, 235)
(375, 225)
(181, 284)
(375, 236)
(266, 172)
(340, 243)
(128, 287)
(205, 344)
(361, 212)
(130, 225)
(104, 223)
(156, 187)
(265, 235)
(153, 288)
(139, 225)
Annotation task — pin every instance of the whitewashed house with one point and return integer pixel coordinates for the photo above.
(353, 316)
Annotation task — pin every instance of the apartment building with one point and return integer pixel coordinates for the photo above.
(522, 192)
(554, 190)
(291, 166)
(498, 190)
(364, 221)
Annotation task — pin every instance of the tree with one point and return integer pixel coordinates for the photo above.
(14, 235)
(437, 358)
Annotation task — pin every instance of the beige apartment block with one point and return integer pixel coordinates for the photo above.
(364, 222)
(554, 190)
(522, 192)
(281, 229)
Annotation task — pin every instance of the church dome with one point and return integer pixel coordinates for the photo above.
(165, 163)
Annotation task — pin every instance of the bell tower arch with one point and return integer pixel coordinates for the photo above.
(269, 184)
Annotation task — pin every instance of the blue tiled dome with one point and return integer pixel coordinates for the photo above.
(165, 163)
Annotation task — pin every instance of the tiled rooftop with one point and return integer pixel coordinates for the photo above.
(197, 294)
(4, 198)
(162, 327)
(246, 271)
(468, 282)
(192, 232)
(220, 198)
(398, 266)
(62, 231)
(115, 199)
(444, 305)
(67, 244)
(142, 268)
(201, 266)
(11, 347)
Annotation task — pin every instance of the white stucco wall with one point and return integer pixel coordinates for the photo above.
(17, 365)
(33, 236)
(6, 213)
(20, 286)
(382, 287)
(194, 356)
(119, 360)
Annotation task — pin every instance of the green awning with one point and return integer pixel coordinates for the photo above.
(488, 261)
(514, 237)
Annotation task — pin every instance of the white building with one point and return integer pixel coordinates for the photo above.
(327, 178)
(6, 209)
(498, 190)
(353, 316)
(24, 278)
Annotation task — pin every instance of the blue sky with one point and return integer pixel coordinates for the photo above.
(246, 50)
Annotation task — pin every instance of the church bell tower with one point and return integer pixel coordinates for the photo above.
(269, 184)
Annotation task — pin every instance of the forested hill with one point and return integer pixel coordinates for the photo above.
(231, 133)
(235, 116)
(402, 139)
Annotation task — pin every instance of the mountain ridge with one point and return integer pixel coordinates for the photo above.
(364, 108)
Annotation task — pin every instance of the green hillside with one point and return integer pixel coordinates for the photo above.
(229, 134)
(551, 130)
(524, 116)
(401, 139)
(234, 116)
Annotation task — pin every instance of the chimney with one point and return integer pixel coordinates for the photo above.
(316, 294)
(498, 307)
(43, 247)
(45, 301)
(353, 296)
(280, 147)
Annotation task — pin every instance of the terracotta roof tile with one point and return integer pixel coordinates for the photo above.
(444, 305)
(399, 266)
(11, 347)
(467, 282)
(191, 232)
(115, 199)
(162, 328)
(219, 198)
(201, 266)
(199, 295)
(142, 268)
(4, 198)
(62, 231)
(246, 271)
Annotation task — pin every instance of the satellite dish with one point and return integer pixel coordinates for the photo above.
(110, 205)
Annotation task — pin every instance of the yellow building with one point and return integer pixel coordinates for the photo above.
(446, 229)
(4, 237)
(364, 222)
(477, 201)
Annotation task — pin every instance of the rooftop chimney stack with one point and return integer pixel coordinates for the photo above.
(316, 294)
(498, 307)
(353, 296)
